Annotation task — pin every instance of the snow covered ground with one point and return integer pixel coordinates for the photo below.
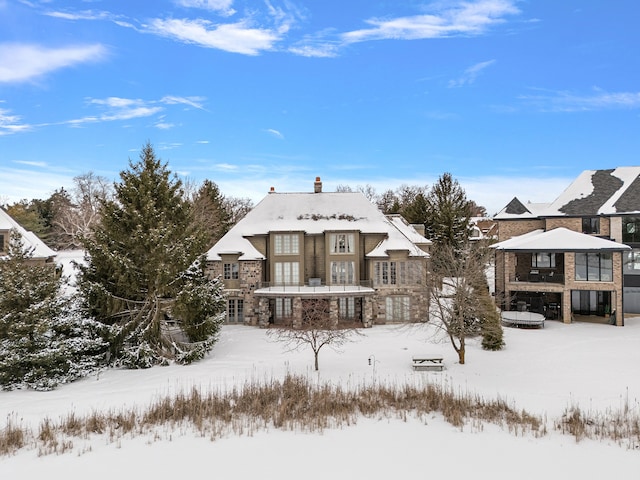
(596, 367)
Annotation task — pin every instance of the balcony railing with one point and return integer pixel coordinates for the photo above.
(539, 277)
(315, 286)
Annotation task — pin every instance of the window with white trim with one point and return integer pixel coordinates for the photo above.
(284, 308)
(230, 271)
(342, 243)
(343, 273)
(347, 307)
(287, 273)
(397, 273)
(235, 310)
(397, 309)
(286, 244)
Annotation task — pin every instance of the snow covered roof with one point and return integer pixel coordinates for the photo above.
(316, 213)
(558, 239)
(30, 239)
(594, 192)
(515, 209)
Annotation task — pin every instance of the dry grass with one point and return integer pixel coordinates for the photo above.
(295, 403)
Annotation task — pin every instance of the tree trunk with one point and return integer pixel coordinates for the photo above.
(316, 360)
(461, 352)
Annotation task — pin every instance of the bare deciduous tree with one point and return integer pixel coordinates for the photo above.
(316, 331)
(237, 207)
(74, 219)
(457, 296)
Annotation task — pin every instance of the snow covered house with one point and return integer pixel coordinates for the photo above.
(337, 246)
(577, 258)
(41, 252)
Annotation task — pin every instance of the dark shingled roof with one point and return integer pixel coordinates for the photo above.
(604, 186)
(515, 207)
(629, 201)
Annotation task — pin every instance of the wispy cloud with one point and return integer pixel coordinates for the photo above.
(572, 102)
(470, 74)
(110, 109)
(82, 15)
(465, 18)
(10, 124)
(226, 167)
(237, 37)
(446, 19)
(222, 7)
(21, 62)
(275, 133)
(117, 108)
(195, 102)
(163, 125)
(125, 108)
(31, 163)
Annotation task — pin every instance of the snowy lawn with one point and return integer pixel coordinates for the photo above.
(543, 371)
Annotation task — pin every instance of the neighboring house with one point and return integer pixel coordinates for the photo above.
(41, 252)
(483, 228)
(577, 256)
(292, 247)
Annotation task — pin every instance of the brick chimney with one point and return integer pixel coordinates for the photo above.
(317, 186)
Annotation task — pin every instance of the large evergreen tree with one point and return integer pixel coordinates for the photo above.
(43, 339)
(144, 270)
(448, 213)
(210, 211)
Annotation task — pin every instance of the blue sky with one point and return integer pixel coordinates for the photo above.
(514, 98)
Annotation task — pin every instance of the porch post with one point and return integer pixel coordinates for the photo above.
(566, 306)
(263, 312)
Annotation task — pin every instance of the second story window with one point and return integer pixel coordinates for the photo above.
(286, 244)
(342, 243)
(543, 260)
(631, 229)
(343, 273)
(287, 273)
(594, 267)
(230, 271)
(591, 225)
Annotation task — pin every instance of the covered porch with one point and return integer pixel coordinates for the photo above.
(561, 275)
(288, 305)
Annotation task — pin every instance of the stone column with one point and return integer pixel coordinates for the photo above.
(334, 310)
(367, 312)
(263, 312)
(297, 312)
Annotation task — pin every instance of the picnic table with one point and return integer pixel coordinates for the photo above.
(427, 362)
